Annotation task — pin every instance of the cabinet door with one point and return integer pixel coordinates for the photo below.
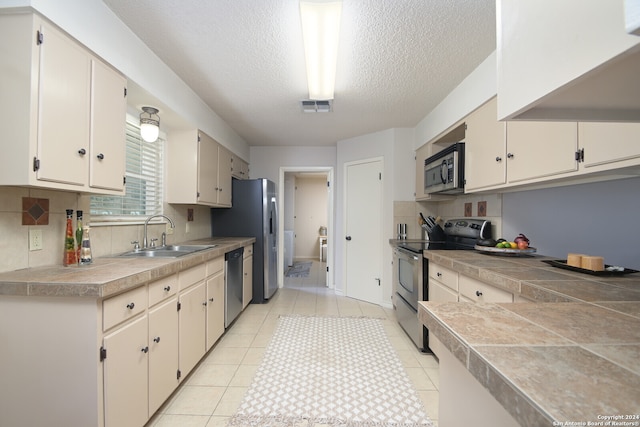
(606, 143)
(485, 148)
(108, 113)
(126, 376)
(163, 353)
(441, 293)
(63, 110)
(224, 177)
(540, 149)
(192, 327)
(215, 308)
(207, 170)
(247, 281)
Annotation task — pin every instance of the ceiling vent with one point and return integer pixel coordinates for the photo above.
(311, 106)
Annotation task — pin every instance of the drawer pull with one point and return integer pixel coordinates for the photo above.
(130, 306)
(478, 293)
(145, 349)
(210, 299)
(156, 339)
(167, 288)
(204, 303)
(439, 274)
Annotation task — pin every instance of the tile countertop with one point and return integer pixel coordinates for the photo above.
(573, 356)
(108, 276)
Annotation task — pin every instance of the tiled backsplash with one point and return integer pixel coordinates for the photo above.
(105, 239)
(486, 206)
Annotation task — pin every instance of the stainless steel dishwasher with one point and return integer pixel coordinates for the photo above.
(232, 285)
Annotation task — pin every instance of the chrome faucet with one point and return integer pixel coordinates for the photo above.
(144, 239)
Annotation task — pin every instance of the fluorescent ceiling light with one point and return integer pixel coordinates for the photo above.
(320, 31)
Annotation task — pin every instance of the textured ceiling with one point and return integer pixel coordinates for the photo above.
(397, 60)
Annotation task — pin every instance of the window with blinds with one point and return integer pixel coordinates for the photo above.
(144, 187)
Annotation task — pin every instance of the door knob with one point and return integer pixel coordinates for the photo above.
(348, 237)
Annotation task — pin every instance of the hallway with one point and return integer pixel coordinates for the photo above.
(211, 393)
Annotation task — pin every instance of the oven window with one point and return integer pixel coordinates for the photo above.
(405, 274)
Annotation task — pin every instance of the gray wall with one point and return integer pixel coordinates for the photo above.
(596, 219)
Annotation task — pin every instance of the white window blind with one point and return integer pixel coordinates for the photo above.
(144, 186)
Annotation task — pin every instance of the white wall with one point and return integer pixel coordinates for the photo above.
(475, 90)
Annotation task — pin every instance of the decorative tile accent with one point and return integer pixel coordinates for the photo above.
(35, 211)
(482, 208)
(468, 209)
(190, 214)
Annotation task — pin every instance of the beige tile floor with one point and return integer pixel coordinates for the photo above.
(211, 393)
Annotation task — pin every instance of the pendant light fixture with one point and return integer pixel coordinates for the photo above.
(320, 31)
(149, 124)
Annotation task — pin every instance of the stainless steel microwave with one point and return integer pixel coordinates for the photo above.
(444, 171)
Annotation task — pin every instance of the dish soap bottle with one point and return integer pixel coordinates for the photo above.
(70, 255)
(78, 233)
(85, 248)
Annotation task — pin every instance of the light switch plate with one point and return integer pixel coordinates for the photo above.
(35, 240)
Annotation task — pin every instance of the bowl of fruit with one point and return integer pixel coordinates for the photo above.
(516, 247)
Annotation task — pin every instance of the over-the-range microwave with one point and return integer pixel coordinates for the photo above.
(444, 171)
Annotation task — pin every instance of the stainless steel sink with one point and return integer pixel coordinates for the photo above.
(169, 251)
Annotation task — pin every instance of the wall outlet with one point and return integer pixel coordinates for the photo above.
(35, 240)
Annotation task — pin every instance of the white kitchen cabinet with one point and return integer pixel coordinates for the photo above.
(540, 149)
(163, 352)
(476, 291)
(215, 301)
(126, 375)
(443, 287)
(59, 105)
(566, 60)
(224, 177)
(608, 145)
(198, 170)
(485, 148)
(247, 278)
(239, 168)
(108, 126)
(192, 323)
(443, 275)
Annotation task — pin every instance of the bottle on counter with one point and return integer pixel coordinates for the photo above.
(70, 254)
(85, 248)
(78, 233)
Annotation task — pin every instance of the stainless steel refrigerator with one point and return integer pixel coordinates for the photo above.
(253, 214)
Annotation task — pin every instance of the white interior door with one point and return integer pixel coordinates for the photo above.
(363, 230)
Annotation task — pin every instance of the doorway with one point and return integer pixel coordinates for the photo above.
(306, 218)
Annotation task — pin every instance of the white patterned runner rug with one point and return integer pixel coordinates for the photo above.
(330, 371)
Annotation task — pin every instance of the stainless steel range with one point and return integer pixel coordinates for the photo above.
(411, 271)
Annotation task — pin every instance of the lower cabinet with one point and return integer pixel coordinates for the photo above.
(215, 302)
(163, 353)
(192, 318)
(247, 278)
(472, 290)
(126, 375)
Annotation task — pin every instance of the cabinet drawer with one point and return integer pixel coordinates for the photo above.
(440, 293)
(192, 275)
(481, 292)
(162, 289)
(123, 307)
(444, 275)
(248, 251)
(215, 266)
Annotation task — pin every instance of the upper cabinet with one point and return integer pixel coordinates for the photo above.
(239, 168)
(198, 170)
(505, 155)
(567, 60)
(62, 111)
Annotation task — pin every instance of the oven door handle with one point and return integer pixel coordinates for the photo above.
(408, 253)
